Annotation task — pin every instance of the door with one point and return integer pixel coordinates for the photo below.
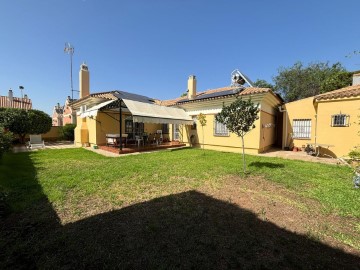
(176, 129)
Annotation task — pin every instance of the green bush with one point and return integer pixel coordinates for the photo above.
(355, 154)
(6, 138)
(67, 132)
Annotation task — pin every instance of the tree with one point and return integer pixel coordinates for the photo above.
(239, 117)
(262, 84)
(301, 81)
(67, 132)
(202, 121)
(22, 122)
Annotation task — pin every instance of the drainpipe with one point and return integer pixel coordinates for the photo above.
(286, 125)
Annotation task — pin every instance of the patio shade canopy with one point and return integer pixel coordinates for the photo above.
(152, 113)
(142, 112)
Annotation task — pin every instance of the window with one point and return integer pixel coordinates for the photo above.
(220, 129)
(301, 128)
(340, 120)
(165, 128)
(128, 126)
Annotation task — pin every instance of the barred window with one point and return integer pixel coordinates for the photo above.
(340, 120)
(220, 129)
(301, 128)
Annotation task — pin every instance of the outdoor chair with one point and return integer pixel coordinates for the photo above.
(36, 142)
(139, 140)
(159, 137)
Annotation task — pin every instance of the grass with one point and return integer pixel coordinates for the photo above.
(73, 208)
(59, 173)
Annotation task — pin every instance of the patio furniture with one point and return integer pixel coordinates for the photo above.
(36, 142)
(159, 137)
(114, 139)
(139, 140)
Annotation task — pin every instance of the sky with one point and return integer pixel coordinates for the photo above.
(150, 47)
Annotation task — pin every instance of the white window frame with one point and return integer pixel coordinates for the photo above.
(301, 129)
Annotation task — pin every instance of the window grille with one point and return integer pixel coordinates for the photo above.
(301, 128)
(128, 126)
(220, 129)
(340, 120)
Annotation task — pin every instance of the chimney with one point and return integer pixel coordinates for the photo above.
(84, 81)
(26, 96)
(58, 105)
(10, 95)
(191, 87)
(356, 79)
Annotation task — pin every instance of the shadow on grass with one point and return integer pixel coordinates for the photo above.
(259, 164)
(185, 230)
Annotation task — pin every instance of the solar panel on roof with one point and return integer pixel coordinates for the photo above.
(131, 96)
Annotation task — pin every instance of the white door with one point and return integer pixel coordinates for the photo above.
(176, 130)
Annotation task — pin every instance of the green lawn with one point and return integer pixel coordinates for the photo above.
(25, 177)
(75, 209)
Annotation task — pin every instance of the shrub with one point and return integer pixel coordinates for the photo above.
(67, 132)
(6, 138)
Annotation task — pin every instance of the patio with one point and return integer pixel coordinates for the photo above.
(133, 148)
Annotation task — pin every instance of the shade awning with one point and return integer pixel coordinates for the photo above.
(152, 113)
(94, 110)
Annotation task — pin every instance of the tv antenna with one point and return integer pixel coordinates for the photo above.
(69, 49)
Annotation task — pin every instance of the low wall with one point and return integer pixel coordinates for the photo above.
(52, 135)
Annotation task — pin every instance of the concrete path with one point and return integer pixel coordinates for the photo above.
(299, 156)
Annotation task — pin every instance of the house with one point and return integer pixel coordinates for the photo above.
(63, 115)
(10, 101)
(99, 115)
(216, 135)
(329, 119)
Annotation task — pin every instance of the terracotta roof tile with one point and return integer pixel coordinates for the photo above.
(346, 92)
(15, 103)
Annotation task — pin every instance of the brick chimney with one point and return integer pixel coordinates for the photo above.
(84, 81)
(191, 87)
(356, 79)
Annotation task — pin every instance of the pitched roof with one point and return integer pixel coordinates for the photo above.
(216, 93)
(346, 92)
(19, 103)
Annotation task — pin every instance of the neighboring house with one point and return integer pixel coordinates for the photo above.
(329, 119)
(10, 101)
(57, 115)
(99, 114)
(216, 135)
(63, 115)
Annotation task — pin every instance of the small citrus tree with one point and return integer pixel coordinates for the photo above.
(202, 121)
(239, 117)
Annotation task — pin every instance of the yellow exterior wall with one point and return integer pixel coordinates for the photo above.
(300, 109)
(257, 140)
(343, 138)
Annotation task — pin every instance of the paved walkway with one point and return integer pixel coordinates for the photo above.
(48, 145)
(298, 156)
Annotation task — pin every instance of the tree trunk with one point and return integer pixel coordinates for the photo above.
(203, 138)
(243, 150)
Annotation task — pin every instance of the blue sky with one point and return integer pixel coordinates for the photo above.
(150, 47)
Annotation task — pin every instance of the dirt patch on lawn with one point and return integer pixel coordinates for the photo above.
(274, 203)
